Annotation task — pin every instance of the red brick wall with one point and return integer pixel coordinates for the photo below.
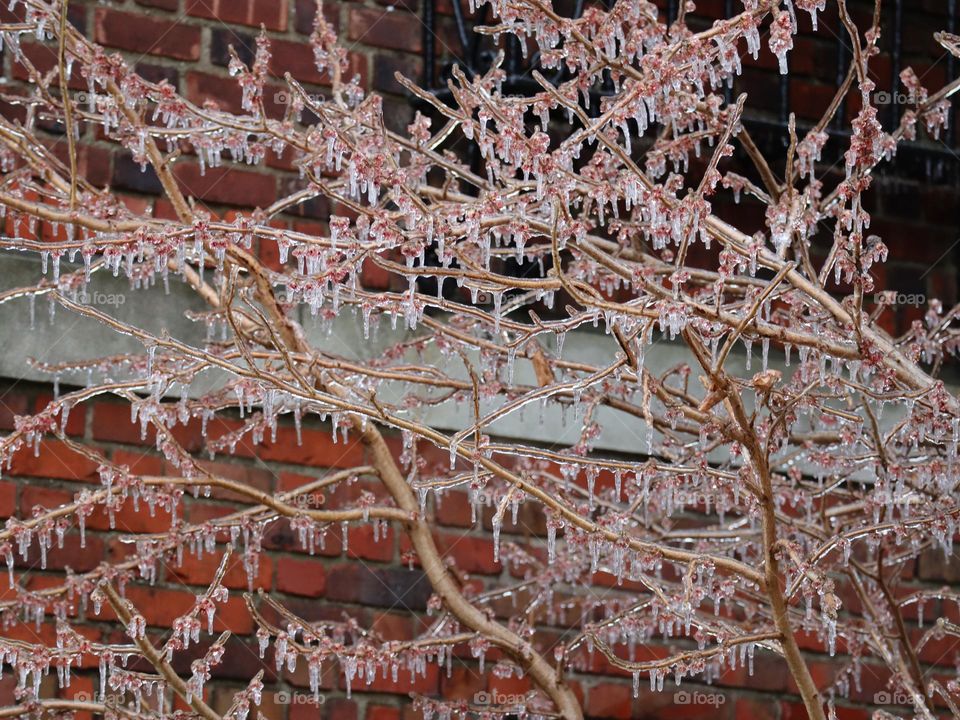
(185, 41)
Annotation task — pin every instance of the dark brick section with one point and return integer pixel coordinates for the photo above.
(381, 587)
(222, 39)
(226, 185)
(386, 28)
(146, 35)
(129, 175)
(272, 14)
(158, 73)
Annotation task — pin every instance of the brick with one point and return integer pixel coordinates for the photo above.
(383, 587)
(297, 59)
(396, 30)
(204, 87)
(71, 555)
(111, 422)
(287, 157)
(224, 696)
(139, 463)
(251, 477)
(334, 709)
(300, 576)
(755, 709)
(46, 634)
(343, 493)
(317, 448)
(8, 498)
(76, 422)
(146, 35)
(81, 687)
(426, 684)
(162, 4)
(517, 685)
(288, 481)
(373, 276)
(269, 254)
(397, 113)
(225, 184)
(222, 39)
(160, 607)
(935, 567)
(382, 712)
(937, 651)
(395, 626)
(463, 683)
(93, 163)
(128, 175)
(158, 73)
(42, 498)
(361, 543)
(305, 11)
(270, 13)
(12, 403)
(225, 93)
(386, 65)
(317, 207)
(453, 508)
(56, 460)
(201, 571)
(135, 203)
(610, 700)
(770, 673)
(43, 56)
(472, 554)
(796, 711)
(280, 536)
(199, 513)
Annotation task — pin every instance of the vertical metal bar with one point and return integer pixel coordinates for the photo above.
(952, 70)
(728, 86)
(429, 49)
(606, 84)
(785, 95)
(461, 31)
(473, 42)
(843, 59)
(895, 58)
(512, 57)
